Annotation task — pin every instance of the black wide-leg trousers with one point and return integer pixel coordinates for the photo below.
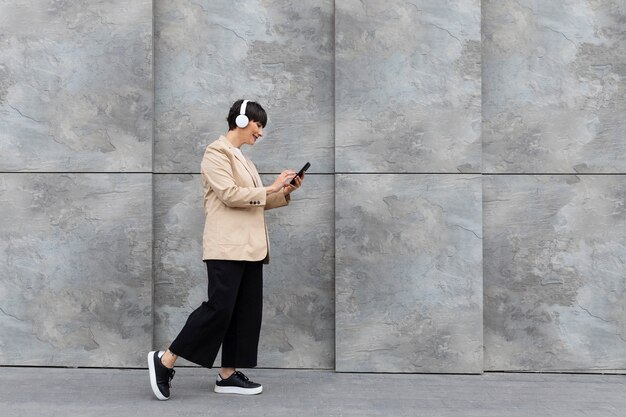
(231, 317)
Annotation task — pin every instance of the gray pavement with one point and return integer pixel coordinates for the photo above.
(27, 392)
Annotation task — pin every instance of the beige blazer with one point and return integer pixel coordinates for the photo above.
(234, 206)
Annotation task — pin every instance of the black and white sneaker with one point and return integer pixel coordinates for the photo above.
(160, 376)
(237, 383)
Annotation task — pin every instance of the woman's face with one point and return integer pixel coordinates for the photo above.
(252, 132)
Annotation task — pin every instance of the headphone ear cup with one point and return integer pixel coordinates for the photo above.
(242, 121)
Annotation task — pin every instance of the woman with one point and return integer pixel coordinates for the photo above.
(235, 246)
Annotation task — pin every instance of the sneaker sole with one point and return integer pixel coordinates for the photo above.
(153, 383)
(238, 390)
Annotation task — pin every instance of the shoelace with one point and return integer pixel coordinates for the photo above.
(242, 375)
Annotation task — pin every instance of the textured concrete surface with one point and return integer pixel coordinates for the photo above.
(27, 392)
(180, 277)
(76, 85)
(554, 92)
(75, 285)
(409, 273)
(298, 316)
(407, 86)
(208, 55)
(76, 94)
(555, 283)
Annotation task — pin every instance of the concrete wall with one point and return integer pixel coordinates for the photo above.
(408, 243)
(76, 114)
(554, 103)
(465, 209)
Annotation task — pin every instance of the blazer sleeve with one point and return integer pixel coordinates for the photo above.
(276, 200)
(218, 174)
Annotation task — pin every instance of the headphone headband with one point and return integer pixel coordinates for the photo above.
(242, 120)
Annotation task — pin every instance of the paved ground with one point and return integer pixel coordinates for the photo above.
(66, 392)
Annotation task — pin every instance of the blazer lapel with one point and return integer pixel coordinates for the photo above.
(243, 161)
(258, 181)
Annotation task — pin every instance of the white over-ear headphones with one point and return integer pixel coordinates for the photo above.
(242, 120)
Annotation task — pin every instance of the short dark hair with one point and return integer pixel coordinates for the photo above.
(254, 111)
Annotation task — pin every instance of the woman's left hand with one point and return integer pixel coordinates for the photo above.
(291, 188)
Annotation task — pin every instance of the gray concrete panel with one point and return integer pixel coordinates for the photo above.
(180, 277)
(278, 53)
(76, 86)
(408, 86)
(298, 315)
(409, 273)
(554, 90)
(555, 283)
(75, 287)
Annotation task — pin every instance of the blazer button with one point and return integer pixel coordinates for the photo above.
(251, 202)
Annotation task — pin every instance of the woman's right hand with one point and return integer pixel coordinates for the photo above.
(283, 180)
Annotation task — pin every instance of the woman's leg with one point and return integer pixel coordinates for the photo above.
(201, 336)
(241, 341)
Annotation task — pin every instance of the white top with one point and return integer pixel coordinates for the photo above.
(242, 159)
(238, 151)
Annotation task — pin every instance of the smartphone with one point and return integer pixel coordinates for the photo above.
(300, 173)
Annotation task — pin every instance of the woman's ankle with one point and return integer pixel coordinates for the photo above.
(168, 359)
(225, 373)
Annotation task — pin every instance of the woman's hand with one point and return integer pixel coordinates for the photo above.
(283, 180)
(291, 188)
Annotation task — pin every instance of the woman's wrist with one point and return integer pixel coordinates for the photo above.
(271, 189)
